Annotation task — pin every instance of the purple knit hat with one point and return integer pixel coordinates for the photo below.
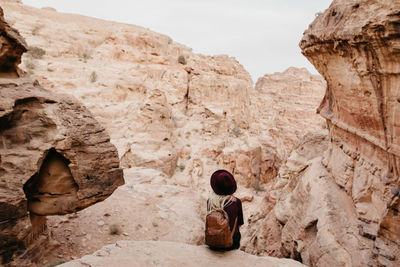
(223, 183)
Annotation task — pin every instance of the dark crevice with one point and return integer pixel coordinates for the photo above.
(25, 100)
(186, 97)
(312, 226)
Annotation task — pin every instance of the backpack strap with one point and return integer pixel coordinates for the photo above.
(234, 228)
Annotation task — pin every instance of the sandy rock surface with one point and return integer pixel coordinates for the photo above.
(147, 207)
(150, 253)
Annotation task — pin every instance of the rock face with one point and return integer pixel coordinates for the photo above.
(54, 157)
(358, 55)
(169, 109)
(149, 92)
(288, 102)
(293, 194)
(342, 209)
(285, 107)
(12, 47)
(161, 253)
(164, 106)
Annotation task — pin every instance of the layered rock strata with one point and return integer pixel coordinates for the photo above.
(342, 209)
(55, 158)
(356, 48)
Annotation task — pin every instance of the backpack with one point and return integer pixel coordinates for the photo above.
(218, 233)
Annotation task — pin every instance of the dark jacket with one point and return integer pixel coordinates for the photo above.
(234, 210)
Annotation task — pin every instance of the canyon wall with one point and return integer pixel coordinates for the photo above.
(286, 106)
(356, 48)
(153, 95)
(54, 157)
(164, 106)
(181, 113)
(342, 207)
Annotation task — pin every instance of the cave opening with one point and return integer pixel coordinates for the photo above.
(52, 190)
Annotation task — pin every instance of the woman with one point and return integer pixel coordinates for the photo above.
(224, 185)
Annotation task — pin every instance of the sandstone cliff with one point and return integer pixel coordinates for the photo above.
(117, 70)
(54, 157)
(175, 117)
(285, 107)
(164, 106)
(291, 98)
(342, 209)
(357, 53)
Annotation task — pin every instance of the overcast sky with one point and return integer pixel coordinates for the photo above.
(263, 35)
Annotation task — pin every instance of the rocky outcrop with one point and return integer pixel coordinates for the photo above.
(289, 101)
(118, 68)
(342, 209)
(285, 107)
(161, 253)
(12, 47)
(151, 145)
(293, 194)
(164, 106)
(209, 114)
(357, 52)
(54, 158)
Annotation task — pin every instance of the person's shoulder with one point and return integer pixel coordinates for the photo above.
(236, 200)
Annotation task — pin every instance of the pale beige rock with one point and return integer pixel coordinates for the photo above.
(151, 253)
(117, 67)
(186, 120)
(266, 228)
(207, 107)
(151, 143)
(288, 102)
(145, 208)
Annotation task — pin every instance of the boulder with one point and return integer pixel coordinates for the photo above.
(55, 158)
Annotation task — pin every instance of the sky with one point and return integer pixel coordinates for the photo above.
(263, 35)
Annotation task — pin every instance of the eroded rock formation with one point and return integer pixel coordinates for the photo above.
(343, 208)
(209, 113)
(12, 47)
(285, 107)
(288, 102)
(55, 158)
(356, 48)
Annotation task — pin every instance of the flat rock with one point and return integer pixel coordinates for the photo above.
(161, 253)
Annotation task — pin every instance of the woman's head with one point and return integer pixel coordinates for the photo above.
(223, 183)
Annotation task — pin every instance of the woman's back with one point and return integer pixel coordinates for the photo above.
(224, 185)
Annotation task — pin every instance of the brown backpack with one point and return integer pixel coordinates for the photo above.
(218, 233)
